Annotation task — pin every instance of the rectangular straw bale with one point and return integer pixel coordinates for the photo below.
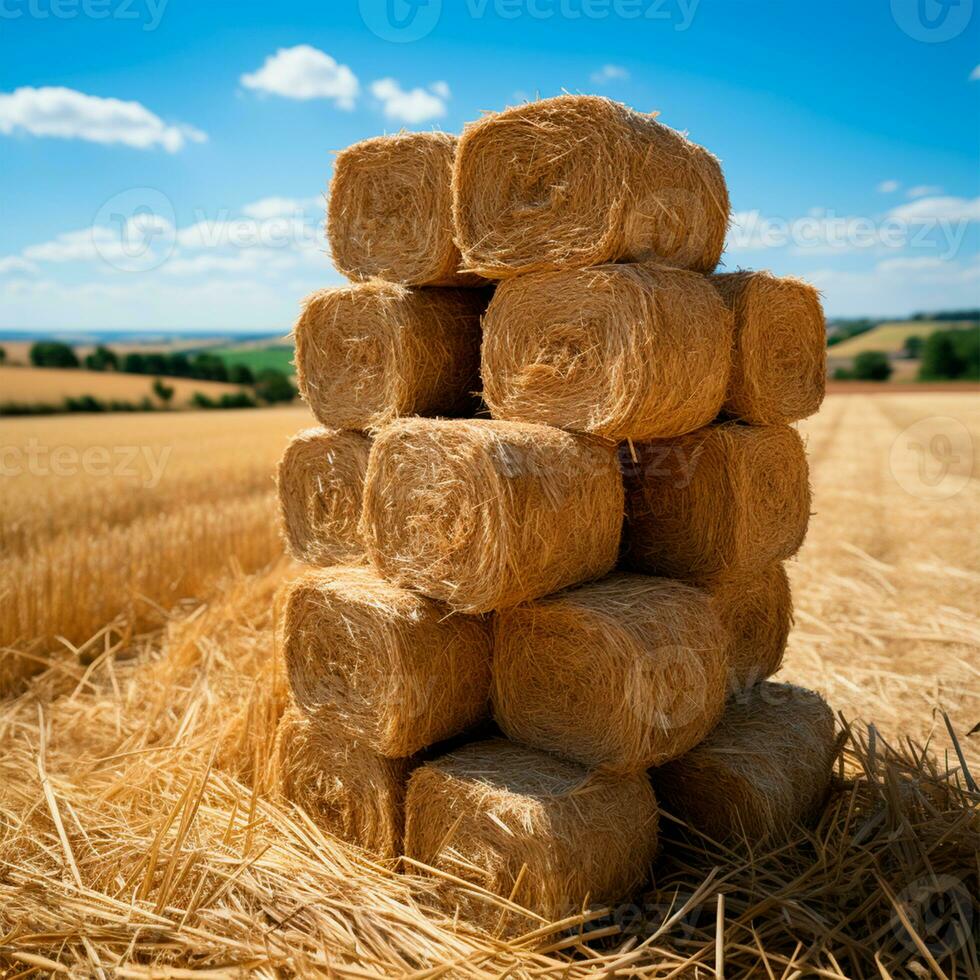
(526, 826)
(579, 180)
(374, 351)
(395, 670)
(622, 351)
(624, 673)
(484, 514)
(764, 769)
(725, 498)
(390, 211)
(346, 788)
(756, 609)
(320, 480)
(779, 364)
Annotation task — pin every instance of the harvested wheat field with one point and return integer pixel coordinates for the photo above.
(141, 830)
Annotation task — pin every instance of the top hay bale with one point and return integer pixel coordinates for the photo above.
(779, 360)
(390, 211)
(484, 514)
(579, 180)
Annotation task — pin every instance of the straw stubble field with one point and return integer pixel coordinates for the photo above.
(141, 562)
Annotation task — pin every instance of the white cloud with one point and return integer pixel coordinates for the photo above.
(68, 114)
(304, 72)
(11, 264)
(412, 106)
(927, 209)
(910, 264)
(924, 190)
(975, 74)
(609, 73)
(280, 207)
(888, 186)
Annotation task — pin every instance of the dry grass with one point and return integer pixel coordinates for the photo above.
(49, 385)
(137, 833)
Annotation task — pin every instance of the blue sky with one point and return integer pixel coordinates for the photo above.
(163, 161)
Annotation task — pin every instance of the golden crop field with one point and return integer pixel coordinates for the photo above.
(49, 385)
(141, 565)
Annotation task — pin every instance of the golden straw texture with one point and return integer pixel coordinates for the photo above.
(727, 497)
(765, 768)
(368, 353)
(484, 514)
(537, 830)
(624, 673)
(756, 609)
(393, 669)
(321, 482)
(779, 366)
(620, 351)
(579, 180)
(346, 789)
(390, 212)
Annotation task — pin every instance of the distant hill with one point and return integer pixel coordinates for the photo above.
(890, 337)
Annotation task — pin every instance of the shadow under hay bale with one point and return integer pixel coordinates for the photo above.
(764, 769)
(539, 832)
(390, 211)
(394, 670)
(756, 609)
(624, 673)
(368, 353)
(726, 498)
(779, 364)
(619, 351)
(320, 480)
(346, 788)
(484, 514)
(579, 180)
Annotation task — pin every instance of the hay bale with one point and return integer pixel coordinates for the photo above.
(529, 827)
(624, 673)
(756, 609)
(368, 353)
(484, 514)
(390, 211)
(393, 669)
(765, 768)
(345, 788)
(320, 480)
(726, 498)
(577, 181)
(620, 351)
(779, 366)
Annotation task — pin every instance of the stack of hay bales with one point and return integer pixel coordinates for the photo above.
(482, 565)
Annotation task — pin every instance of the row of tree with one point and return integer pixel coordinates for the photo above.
(270, 385)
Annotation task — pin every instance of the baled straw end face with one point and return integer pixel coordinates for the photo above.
(320, 482)
(763, 771)
(394, 670)
(624, 673)
(529, 828)
(390, 211)
(483, 514)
